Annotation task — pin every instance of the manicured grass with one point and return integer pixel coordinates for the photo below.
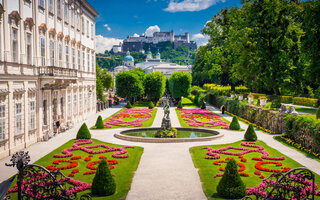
(305, 110)
(144, 124)
(279, 139)
(187, 103)
(207, 169)
(123, 171)
(183, 123)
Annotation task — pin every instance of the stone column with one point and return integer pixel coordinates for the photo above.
(10, 117)
(39, 112)
(26, 114)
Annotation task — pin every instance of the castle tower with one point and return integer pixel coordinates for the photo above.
(158, 55)
(149, 54)
(187, 37)
(171, 36)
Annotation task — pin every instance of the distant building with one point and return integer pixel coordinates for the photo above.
(137, 44)
(128, 64)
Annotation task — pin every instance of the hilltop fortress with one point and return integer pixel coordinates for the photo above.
(134, 43)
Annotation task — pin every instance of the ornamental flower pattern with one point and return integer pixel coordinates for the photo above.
(139, 114)
(193, 116)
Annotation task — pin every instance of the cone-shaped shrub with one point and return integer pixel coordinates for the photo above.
(128, 105)
(99, 122)
(250, 134)
(103, 183)
(231, 185)
(179, 105)
(83, 132)
(234, 124)
(151, 105)
(203, 105)
(318, 113)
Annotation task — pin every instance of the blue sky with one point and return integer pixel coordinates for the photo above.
(119, 18)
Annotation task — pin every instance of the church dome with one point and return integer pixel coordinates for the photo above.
(149, 52)
(128, 57)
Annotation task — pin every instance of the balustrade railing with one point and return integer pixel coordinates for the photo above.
(57, 71)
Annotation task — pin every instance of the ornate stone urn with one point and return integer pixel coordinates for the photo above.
(232, 96)
(240, 97)
(250, 99)
(263, 102)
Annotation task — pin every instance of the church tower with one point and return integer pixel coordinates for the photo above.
(149, 54)
(158, 55)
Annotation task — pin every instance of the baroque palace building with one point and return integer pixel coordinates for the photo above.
(47, 69)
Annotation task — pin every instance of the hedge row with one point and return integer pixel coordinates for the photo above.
(262, 117)
(224, 90)
(305, 101)
(304, 131)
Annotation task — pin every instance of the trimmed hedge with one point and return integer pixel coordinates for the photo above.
(231, 186)
(318, 113)
(103, 183)
(99, 123)
(83, 132)
(305, 101)
(250, 134)
(203, 106)
(151, 105)
(180, 105)
(234, 124)
(286, 99)
(128, 105)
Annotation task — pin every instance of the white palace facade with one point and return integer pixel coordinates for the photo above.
(47, 69)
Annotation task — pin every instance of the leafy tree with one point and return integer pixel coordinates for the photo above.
(128, 84)
(83, 132)
(107, 79)
(99, 123)
(99, 84)
(103, 183)
(154, 85)
(231, 186)
(179, 84)
(318, 113)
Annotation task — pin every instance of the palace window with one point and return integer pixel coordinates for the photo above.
(75, 104)
(45, 112)
(73, 58)
(91, 31)
(52, 52)
(59, 8)
(51, 6)
(72, 17)
(69, 105)
(88, 62)
(67, 56)
(18, 124)
(32, 115)
(88, 28)
(85, 100)
(3, 122)
(14, 45)
(42, 3)
(78, 21)
(60, 55)
(66, 17)
(79, 60)
(61, 107)
(28, 49)
(80, 102)
(84, 60)
(43, 51)
(92, 61)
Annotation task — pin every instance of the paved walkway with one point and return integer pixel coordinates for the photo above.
(165, 171)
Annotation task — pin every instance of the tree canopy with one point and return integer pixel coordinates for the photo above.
(179, 84)
(129, 84)
(154, 85)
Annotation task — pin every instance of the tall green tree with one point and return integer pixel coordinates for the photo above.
(99, 83)
(179, 84)
(129, 84)
(107, 79)
(154, 85)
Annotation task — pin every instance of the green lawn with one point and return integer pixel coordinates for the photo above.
(305, 110)
(144, 124)
(123, 171)
(187, 103)
(183, 123)
(143, 104)
(207, 169)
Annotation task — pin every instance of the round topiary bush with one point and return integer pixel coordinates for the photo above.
(231, 186)
(318, 113)
(83, 132)
(128, 105)
(99, 122)
(103, 183)
(250, 134)
(180, 105)
(151, 105)
(203, 105)
(234, 124)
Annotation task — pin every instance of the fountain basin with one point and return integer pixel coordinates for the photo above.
(184, 135)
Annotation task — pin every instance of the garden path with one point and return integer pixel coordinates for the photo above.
(269, 140)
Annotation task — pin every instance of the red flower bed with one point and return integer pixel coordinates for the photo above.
(89, 172)
(257, 172)
(53, 167)
(241, 165)
(74, 171)
(87, 159)
(258, 166)
(75, 158)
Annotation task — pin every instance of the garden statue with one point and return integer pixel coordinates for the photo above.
(292, 110)
(166, 129)
(166, 110)
(283, 109)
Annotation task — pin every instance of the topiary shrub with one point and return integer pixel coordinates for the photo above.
(83, 132)
(250, 134)
(103, 183)
(276, 103)
(180, 105)
(234, 124)
(318, 113)
(128, 105)
(203, 105)
(231, 186)
(99, 122)
(150, 105)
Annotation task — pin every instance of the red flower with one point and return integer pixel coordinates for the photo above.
(257, 172)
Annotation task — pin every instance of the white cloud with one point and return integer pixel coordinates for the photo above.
(135, 35)
(105, 43)
(152, 29)
(200, 39)
(190, 5)
(107, 26)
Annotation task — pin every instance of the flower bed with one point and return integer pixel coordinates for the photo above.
(255, 161)
(70, 160)
(201, 118)
(133, 117)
